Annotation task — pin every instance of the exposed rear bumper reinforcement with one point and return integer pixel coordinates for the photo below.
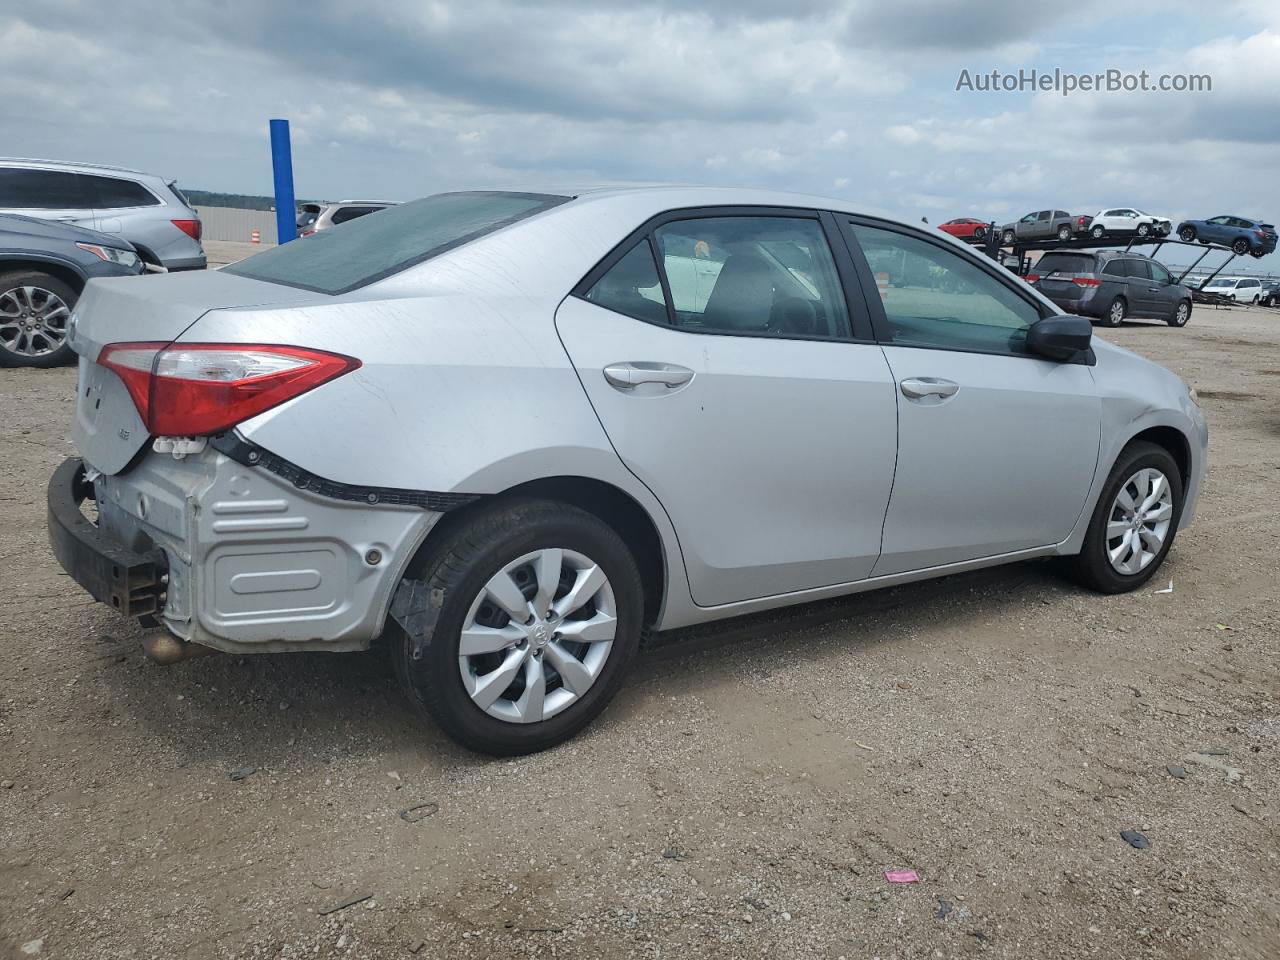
(131, 583)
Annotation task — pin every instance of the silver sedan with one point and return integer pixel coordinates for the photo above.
(505, 432)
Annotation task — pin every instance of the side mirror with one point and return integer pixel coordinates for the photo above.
(1065, 339)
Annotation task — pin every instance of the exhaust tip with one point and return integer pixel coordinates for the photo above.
(165, 649)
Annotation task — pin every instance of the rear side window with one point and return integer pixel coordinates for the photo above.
(632, 286)
(41, 189)
(1114, 268)
(343, 214)
(106, 193)
(371, 248)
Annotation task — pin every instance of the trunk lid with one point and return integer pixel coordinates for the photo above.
(108, 431)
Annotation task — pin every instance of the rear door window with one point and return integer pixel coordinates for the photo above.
(24, 189)
(632, 286)
(343, 214)
(1139, 269)
(372, 248)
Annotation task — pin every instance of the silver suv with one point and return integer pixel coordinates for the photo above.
(506, 432)
(147, 211)
(314, 217)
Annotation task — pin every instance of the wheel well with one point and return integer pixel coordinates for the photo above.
(1172, 440)
(610, 505)
(63, 273)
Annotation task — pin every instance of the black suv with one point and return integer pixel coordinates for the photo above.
(1111, 286)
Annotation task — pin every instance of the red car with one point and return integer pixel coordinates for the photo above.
(967, 229)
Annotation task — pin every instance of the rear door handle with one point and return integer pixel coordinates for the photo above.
(918, 388)
(626, 376)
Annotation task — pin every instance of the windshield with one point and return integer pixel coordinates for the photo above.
(367, 249)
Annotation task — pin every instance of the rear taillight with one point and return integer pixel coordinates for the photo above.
(1086, 281)
(1080, 221)
(191, 228)
(197, 389)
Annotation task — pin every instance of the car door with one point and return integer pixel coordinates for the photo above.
(1165, 293)
(44, 194)
(1217, 230)
(1247, 290)
(743, 391)
(996, 447)
(1143, 292)
(1042, 227)
(1025, 229)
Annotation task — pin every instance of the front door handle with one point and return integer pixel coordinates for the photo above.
(627, 376)
(917, 388)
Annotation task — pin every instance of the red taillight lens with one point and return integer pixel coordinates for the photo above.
(197, 389)
(191, 228)
(1086, 281)
(1032, 277)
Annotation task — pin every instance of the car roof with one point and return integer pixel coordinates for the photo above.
(73, 164)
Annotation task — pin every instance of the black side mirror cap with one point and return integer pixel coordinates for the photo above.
(1066, 339)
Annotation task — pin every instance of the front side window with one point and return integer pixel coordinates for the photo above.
(631, 286)
(371, 248)
(754, 275)
(1159, 273)
(22, 189)
(935, 298)
(1139, 269)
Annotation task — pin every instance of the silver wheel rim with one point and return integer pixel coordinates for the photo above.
(1097, 232)
(1139, 521)
(1183, 312)
(1117, 312)
(1143, 230)
(33, 321)
(537, 637)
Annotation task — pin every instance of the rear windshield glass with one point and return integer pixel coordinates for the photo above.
(370, 248)
(1064, 263)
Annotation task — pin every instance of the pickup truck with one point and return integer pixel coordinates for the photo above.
(1045, 225)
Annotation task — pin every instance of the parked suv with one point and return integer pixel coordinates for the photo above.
(44, 266)
(147, 211)
(313, 217)
(1128, 220)
(1044, 225)
(1239, 233)
(1111, 286)
(1270, 293)
(1239, 289)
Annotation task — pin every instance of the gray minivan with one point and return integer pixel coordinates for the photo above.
(147, 211)
(1111, 285)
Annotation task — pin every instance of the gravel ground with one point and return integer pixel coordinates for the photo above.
(742, 797)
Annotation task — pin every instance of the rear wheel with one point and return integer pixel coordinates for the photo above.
(1116, 312)
(1134, 522)
(35, 309)
(1240, 247)
(1181, 314)
(1097, 233)
(533, 617)
(1064, 233)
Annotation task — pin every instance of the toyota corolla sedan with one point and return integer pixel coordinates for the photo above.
(506, 432)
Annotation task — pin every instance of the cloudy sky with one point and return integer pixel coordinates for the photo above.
(848, 98)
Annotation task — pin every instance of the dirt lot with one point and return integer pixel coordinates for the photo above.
(742, 797)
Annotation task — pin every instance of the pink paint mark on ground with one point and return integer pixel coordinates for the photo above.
(902, 876)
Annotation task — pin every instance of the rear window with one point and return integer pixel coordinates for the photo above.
(371, 248)
(107, 193)
(1063, 263)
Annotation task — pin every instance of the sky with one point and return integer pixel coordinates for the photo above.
(853, 99)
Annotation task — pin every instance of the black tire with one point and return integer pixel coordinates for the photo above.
(1091, 566)
(458, 566)
(1064, 234)
(1007, 237)
(1144, 229)
(1180, 317)
(1110, 318)
(1187, 234)
(1240, 247)
(1097, 233)
(45, 283)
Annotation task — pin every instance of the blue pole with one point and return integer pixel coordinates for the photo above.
(282, 168)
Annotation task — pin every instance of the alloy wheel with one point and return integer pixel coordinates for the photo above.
(1139, 522)
(1182, 314)
(537, 636)
(33, 321)
(1116, 314)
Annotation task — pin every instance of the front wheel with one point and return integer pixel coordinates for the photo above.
(34, 311)
(1134, 522)
(1181, 314)
(1187, 234)
(1144, 229)
(519, 627)
(1007, 237)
